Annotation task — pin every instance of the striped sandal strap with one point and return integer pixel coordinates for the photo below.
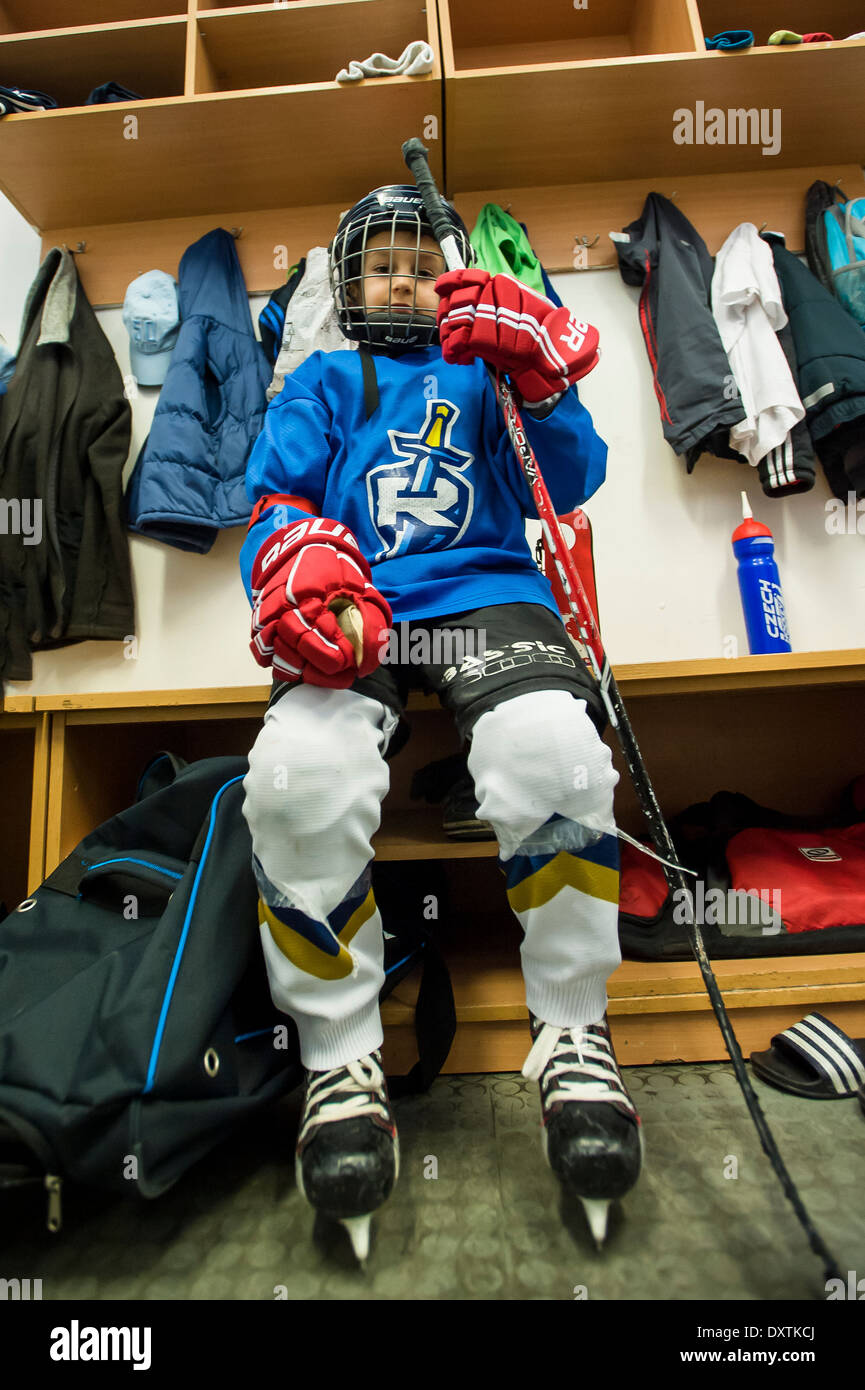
(827, 1050)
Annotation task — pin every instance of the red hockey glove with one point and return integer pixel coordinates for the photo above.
(302, 579)
(543, 348)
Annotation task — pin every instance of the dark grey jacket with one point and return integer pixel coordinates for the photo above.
(696, 390)
(65, 427)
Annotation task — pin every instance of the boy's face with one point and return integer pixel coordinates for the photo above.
(389, 280)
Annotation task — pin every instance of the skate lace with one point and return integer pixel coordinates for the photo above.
(345, 1093)
(575, 1064)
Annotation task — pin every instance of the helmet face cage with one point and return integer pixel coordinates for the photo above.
(398, 211)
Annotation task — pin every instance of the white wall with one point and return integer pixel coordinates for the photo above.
(666, 574)
(19, 262)
(667, 587)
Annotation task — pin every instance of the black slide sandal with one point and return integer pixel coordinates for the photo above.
(814, 1058)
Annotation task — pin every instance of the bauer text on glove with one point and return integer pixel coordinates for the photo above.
(302, 578)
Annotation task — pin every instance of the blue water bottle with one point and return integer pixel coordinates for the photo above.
(760, 586)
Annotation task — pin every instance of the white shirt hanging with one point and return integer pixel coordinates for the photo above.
(748, 309)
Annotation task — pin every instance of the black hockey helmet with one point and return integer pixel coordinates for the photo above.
(396, 208)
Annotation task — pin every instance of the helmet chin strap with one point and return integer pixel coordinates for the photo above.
(388, 331)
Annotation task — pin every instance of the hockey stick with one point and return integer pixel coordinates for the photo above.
(415, 156)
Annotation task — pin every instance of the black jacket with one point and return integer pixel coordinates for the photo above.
(830, 352)
(65, 427)
(694, 384)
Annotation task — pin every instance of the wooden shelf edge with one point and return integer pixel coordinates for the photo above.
(168, 699)
(453, 72)
(662, 677)
(481, 1048)
(398, 1012)
(743, 672)
(240, 94)
(634, 60)
(495, 993)
(18, 704)
(84, 31)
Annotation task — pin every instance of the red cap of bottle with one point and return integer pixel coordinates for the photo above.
(749, 527)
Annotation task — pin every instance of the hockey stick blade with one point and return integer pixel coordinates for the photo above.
(415, 157)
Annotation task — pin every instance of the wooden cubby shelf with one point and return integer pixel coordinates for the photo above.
(302, 43)
(566, 114)
(242, 112)
(172, 163)
(241, 99)
(510, 34)
(703, 726)
(614, 120)
(836, 17)
(147, 56)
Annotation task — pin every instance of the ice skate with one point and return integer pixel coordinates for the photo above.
(347, 1157)
(591, 1131)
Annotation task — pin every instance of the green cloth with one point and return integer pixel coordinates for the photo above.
(502, 247)
(785, 36)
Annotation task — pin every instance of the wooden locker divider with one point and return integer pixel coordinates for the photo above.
(39, 801)
(22, 758)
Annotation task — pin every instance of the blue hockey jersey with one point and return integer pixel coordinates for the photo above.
(429, 485)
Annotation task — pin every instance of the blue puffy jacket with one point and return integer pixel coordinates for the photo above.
(188, 481)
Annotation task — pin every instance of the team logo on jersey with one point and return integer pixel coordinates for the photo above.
(423, 500)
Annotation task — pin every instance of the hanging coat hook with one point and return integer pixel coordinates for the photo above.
(76, 250)
(764, 226)
(584, 240)
(237, 233)
(508, 208)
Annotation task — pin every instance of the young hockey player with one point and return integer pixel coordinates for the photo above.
(384, 484)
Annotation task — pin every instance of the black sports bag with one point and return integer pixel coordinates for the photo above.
(136, 1024)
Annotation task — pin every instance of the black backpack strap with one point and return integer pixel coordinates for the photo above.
(160, 772)
(370, 383)
(435, 1024)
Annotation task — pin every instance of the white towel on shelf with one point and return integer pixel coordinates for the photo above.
(415, 59)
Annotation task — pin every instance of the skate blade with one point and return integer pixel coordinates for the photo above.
(597, 1211)
(358, 1230)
